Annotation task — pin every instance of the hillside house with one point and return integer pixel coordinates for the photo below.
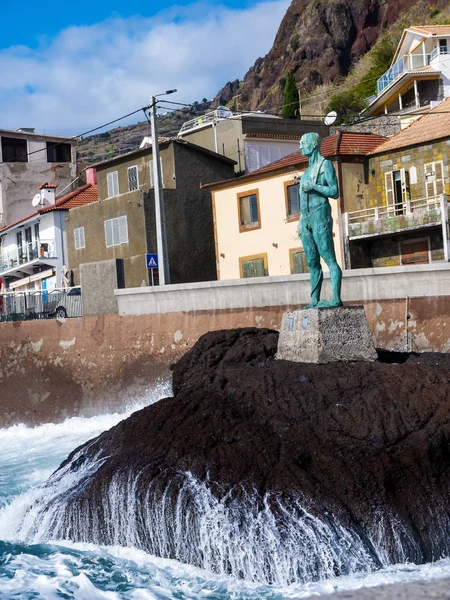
(419, 77)
(121, 225)
(253, 140)
(256, 216)
(26, 159)
(404, 219)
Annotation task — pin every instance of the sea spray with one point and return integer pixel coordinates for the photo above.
(231, 532)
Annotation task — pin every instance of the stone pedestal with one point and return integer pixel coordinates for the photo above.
(323, 335)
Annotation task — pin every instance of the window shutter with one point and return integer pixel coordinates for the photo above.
(133, 178)
(123, 230)
(439, 170)
(297, 261)
(79, 238)
(389, 188)
(109, 233)
(112, 182)
(429, 180)
(247, 269)
(259, 267)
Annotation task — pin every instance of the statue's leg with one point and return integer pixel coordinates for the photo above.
(323, 236)
(313, 260)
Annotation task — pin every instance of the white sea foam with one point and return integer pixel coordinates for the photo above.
(88, 571)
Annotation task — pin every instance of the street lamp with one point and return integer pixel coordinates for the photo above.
(161, 238)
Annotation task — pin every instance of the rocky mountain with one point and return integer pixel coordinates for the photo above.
(320, 41)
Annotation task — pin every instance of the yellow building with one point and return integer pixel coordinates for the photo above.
(256, 216)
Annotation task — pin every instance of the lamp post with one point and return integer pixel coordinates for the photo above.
(161, 238)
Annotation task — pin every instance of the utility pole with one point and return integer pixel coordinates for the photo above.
(161, 238)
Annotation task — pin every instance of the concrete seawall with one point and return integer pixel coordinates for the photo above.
(50, 370)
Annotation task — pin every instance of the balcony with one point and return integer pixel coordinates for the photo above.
(19, 258)
(207, 119)
(406, 216)
(410, 62)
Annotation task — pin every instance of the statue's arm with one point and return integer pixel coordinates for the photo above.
(331, 188)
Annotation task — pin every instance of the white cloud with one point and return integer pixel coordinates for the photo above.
(89, 75)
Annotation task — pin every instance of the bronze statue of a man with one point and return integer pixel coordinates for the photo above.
(315, 228)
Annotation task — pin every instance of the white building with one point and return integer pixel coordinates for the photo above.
(254, 140)
(33, 249)
(419, 77)
(26, 160)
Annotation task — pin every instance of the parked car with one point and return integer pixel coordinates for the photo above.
(69, 304)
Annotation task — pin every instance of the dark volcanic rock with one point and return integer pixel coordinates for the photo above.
(365, 443)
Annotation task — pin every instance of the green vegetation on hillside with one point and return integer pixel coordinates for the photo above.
(291, 103)
(350, 101)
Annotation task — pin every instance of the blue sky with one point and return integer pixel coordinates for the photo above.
(66, 67)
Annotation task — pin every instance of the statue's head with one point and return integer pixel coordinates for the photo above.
(309, 142)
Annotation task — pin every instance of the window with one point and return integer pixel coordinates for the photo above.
(112, 182)
(297, 260)
(78, 235)
(258, 156)
(292, 198)
(151, 173)
(133, 178)
(434, 179)
(116, 231)
(248, 210)
(59, 152)
(14, 150)
(253, 266)
(397, 190)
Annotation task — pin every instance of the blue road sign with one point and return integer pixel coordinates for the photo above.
(152, 261)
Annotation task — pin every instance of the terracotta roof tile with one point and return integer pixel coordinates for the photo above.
(434, 125)
(341, 143)
(87, 194)
(272, 136)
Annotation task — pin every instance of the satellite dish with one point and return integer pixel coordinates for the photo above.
(330, 118)
(36, 200)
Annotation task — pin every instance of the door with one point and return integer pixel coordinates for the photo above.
(414, 252)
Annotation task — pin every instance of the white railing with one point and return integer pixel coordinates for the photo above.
(208, 118)
(410, 62)
(394, 210)
(28, 252)
(40, 304)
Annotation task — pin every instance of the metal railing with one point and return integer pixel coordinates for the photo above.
(28, 252)
(211, 117)
(40, 304)
(410, 62)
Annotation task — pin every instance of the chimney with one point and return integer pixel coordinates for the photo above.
(91, 176)
(47, 192)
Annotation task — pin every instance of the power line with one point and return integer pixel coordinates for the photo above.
(70, 139)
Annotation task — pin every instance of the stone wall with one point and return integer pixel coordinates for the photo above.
(51, 370)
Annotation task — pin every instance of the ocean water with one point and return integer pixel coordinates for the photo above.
(61, 569)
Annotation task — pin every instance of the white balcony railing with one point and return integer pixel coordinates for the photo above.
(28, 252)
(207, 119)
(405, 215)
(410, 62)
